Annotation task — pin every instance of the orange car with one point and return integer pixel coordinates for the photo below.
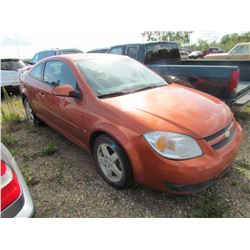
(138, 127)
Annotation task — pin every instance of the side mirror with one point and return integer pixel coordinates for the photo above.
(66, 90)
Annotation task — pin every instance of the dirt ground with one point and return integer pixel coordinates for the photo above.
(64, 182)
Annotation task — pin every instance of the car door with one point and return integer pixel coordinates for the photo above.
(64, 113)
(36, 88)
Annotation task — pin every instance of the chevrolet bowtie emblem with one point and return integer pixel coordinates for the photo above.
(227, 133)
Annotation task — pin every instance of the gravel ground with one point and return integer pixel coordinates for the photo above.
(64, 182)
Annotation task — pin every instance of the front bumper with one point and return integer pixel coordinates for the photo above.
(183, 176)
(191, 188)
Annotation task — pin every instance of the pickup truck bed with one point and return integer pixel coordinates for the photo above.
(214, 80)
(243, 87)
(219, 78)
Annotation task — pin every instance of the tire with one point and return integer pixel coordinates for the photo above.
(112, 162)
(32, 118)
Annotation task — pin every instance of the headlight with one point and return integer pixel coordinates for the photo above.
(173, 145)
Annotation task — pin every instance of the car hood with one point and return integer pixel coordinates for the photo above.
(175, 108)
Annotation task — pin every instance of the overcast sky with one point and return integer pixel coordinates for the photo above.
(28, 26)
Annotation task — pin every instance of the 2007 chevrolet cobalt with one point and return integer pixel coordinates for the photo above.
(138, 127)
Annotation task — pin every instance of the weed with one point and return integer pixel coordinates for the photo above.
(212, 205)
(50, 149)
(10, 109)
(11, 117)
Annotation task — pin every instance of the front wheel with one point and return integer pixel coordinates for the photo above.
(112, 162)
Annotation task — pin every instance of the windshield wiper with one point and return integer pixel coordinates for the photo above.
(129, 92)
(145, 88)
(112, 94)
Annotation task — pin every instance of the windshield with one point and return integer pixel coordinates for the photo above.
(9, 64)
(110, 74)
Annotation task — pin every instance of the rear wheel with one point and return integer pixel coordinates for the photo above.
(112, 162)
(32, 118)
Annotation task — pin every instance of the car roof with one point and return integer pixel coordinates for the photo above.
(82, 56)
(56, 49)
(146, 43)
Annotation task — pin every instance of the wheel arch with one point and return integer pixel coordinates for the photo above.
(116, 134)
(98, 133)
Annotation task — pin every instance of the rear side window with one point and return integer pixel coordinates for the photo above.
(161, 52)
(11, 64)
(37, 72)
(132, 52)
(58, 73)
(117, 50)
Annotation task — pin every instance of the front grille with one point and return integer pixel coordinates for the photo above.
(222, 143)
(217, 134)
(218, 145)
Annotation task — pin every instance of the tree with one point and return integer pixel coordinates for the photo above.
(181, 37)
(228, 41)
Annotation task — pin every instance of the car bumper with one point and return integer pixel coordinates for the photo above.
(11, 88)
(183, 176)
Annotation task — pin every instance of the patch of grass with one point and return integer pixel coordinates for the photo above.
(49, 149)
(11, 117)
(243, 115)
(244, 179)
(212, 205)
(8, 140)
(234, 183)
(31, 156)
(28, 176)
(246, 187)
(243, 162)
(11, 109)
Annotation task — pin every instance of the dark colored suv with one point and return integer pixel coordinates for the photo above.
(52, 52)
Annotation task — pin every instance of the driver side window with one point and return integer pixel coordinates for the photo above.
(58, 73)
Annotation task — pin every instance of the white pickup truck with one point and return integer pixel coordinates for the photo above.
(11, 69)
(241, 51)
